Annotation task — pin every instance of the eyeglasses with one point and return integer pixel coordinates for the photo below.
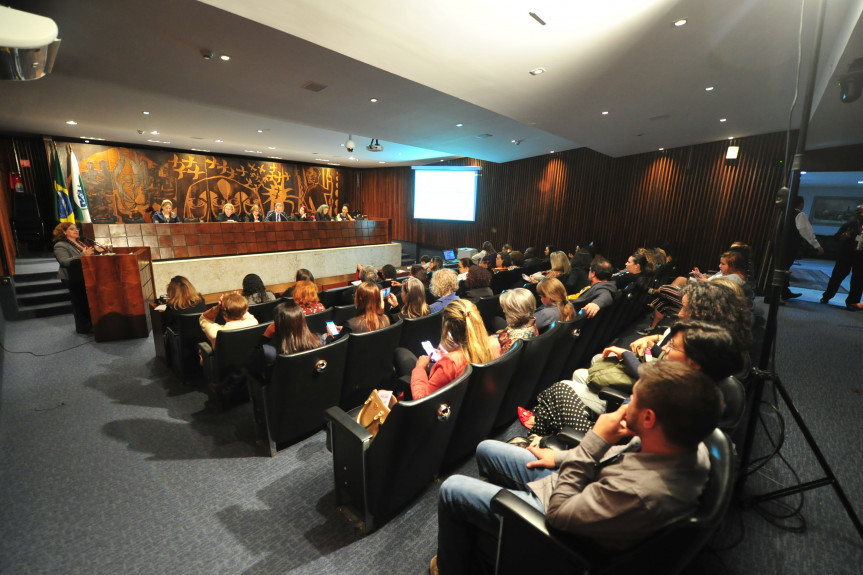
(72, 229)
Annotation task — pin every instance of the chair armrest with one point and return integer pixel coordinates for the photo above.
(613, 398)
(570, 436)
(338, 418)
(205, 349)
(528, 526)
(209, 361)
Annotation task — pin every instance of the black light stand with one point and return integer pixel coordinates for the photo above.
(774, 292)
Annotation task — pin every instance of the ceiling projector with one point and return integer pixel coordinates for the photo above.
(374, 146)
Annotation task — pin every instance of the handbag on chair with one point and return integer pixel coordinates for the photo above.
(376, 409)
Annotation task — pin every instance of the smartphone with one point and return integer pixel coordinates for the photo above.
(386, 292)
(433, 354)
(332, 329)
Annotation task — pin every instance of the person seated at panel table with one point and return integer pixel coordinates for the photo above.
(234, 309)
(302, 215)
(344, 215)
(323, 213)
(228, 214)
(255, 291)
(615, 495)
(277, 214)
(255, 214)
(167, 215)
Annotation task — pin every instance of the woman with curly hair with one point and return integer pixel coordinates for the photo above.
(463, 341)
(255, 291)
(477, 284)
(444, 284)
(305, 295)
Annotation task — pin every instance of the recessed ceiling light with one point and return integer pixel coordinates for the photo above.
(730, 137)
(723, 119)
(225, 57)
(382, 162)
(321, 160)
(661, 149)
(271, 147)
(154, 133)
(373, 100)
(260, 131)
(537, 71)
(72, 123)
(199, 150)
(146, 113)
(551, 152)
(459, 125)
(605, 113)
(708, 89)
(219, 141)
(334, 164)
(88, 138)
(680, 22)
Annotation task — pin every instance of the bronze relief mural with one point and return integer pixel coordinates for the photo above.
(125, 185)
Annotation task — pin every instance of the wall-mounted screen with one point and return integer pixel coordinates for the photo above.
(445, 193)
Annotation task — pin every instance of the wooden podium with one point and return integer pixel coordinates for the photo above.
(119, 286)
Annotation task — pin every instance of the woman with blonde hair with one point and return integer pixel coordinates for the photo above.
(182, 298)
(518, 307)
(166, 215)
(555, 306)
(463, 341)
(560, 268)
(255, 214)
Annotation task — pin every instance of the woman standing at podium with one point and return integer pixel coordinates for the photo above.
(68, 250)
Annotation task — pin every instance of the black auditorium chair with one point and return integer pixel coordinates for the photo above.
(342, 313)
(419, 329)
(553, 370)
(369, 363)
(486, 390)
(317, 322)
(489, 308)
(290, 405)
(263, 312)
(223, 366)
(505, 280)
(667, 551)
(378, 478)
(333, 297)
(521, 390)
(181, 343)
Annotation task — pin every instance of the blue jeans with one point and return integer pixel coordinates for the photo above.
(464, 505)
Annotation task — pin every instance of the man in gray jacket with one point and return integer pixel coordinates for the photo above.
(600, 292)
(616, 495)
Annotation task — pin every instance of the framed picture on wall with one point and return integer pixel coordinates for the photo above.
(832, 210)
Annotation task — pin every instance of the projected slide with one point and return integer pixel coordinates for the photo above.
(445, 194)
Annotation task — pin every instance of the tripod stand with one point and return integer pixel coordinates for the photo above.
(763, 375)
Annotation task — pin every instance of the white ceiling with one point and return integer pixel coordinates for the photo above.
(432, 65)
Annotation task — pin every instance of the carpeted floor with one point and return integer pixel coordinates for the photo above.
(109, 465)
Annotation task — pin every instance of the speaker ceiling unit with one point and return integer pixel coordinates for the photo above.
(28, 45)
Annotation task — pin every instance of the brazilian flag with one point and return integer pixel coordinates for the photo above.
(63, 208)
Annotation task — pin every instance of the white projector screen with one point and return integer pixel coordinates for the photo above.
(445, 193)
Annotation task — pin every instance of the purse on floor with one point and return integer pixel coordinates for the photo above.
(375, 410)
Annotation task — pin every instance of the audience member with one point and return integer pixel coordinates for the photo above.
(518, 306)
(289, 334)
(463, 266)
(182, 298)
(370, 310)
(234, 309)
(302, 275)
(477, 284)
(443, 286)
(530, 259)
(305, 295)
(503, 261)
(555, 306)
(560, 268)
(413, 299)
(635, 269)
(489, 261)
(517, 260)
(601, 291)
(255, 291)
(487, 248)
(656, 480)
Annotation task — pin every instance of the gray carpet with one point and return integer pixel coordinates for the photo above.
(109, 465)
(809, 278)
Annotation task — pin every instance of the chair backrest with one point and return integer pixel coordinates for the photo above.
(263, 312)
(301, 386)
(406, 455)
(486, 390)
(317, 322)
(333, 297)
(489, 308)
(233, 347)
(183, 345)
(369, 363)
(342, 313)
(566, 339)
(734, 397)
(419, 329)
(505, 280)
(525, 374)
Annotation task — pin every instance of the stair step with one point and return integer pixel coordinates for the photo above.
(44, 310)
(37, 286)
(43, 297)
(26, 278)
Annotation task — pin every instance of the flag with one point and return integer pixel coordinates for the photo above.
(76, 190)
(63, 208)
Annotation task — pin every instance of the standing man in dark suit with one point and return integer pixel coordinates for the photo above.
(850, 260)
(278, 214)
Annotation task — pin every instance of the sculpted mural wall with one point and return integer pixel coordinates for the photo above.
(125, 185)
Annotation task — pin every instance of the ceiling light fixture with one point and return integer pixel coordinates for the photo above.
(537, 71)
(605, 113)
(661, 149)
(219, 141)
(708, 89)
(723, 119)
(72, 123)
(680, 22)
(146, 113)
(459, 125)
(537, 18)
(154, 133)
(730, 137)
(373, 100)
(224, 57)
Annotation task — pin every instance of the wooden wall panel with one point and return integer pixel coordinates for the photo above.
(689, 196)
